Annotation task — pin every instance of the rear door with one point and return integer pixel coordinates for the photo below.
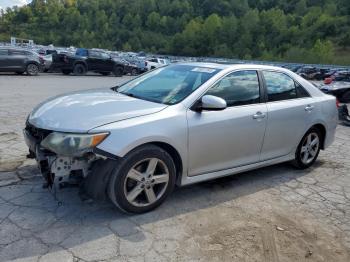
(16, 59)
(3, 58)
(290, 111)
(220, 140)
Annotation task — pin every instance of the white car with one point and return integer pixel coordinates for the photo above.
(179, 124)
(156, 62)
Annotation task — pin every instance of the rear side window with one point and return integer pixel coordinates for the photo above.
(3, 52)
(282, 87)
(16, 52)
(238, 88)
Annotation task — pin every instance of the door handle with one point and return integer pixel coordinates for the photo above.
(259, 115)
(309, 108)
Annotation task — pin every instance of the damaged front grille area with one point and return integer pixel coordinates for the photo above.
(37, 133)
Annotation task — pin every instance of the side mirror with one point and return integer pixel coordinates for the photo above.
(210, 103)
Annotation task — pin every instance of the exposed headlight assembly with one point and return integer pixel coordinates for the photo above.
(68, 144)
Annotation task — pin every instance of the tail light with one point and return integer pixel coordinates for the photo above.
(337, 103)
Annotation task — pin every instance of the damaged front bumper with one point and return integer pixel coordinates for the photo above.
(92, 170)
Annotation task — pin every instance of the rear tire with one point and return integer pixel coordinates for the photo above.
(79, 70)
(308, 149)
(32, 69)
(142, 180)
(345, 98)
(118, 71)
(134, 72)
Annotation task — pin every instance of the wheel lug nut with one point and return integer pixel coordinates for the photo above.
(152, 180)
(142, 186)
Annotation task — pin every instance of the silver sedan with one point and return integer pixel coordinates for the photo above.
(178, 125)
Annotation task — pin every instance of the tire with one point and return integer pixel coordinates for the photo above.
(306, 153)
(118, 71)
(124, 182)
(32, 69)
(134, 72)
(104, 73)
(66, 71)
(79, 70)
(345, 98)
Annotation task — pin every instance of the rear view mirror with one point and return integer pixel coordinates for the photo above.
(211, 103)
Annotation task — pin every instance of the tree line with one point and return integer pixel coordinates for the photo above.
(310, 31)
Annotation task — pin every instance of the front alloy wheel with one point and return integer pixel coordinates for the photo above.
(142, 179)
(146, 182)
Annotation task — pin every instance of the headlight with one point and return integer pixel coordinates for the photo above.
(67, 144)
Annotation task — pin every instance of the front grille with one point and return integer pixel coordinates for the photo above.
(38, 133)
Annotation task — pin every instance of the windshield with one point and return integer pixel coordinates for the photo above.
(168, 85)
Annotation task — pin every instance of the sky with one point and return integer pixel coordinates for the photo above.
(10, 3)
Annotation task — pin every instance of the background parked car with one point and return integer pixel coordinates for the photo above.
(87, 60)
(156, 62)
(19, 61)
(341, 90)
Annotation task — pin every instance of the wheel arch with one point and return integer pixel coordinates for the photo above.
(81, 63)
(323, 132)
(171, 150)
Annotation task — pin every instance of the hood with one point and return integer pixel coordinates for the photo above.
(85, 110)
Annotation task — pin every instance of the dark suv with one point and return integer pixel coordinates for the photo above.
(87, 60)
(19, 61)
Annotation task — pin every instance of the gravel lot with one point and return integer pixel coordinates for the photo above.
(271, 214)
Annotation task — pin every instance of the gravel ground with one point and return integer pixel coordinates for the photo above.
(271, 214)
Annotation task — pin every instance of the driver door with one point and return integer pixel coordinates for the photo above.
(233, 137)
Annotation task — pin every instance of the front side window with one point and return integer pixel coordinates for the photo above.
(238, 88)
(169, 84)
(282, 87)
(3, 52)
(16, 52)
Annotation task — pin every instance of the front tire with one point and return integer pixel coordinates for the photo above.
(142, 180)
(32, 69)
(308, 149)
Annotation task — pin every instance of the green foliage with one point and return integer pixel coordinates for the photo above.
(314, 31)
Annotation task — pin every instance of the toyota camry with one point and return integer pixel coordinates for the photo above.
(178, 125)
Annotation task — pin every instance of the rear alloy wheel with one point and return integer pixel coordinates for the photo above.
(142, 180)
(118, 71)
(79, 70)
(308, 149)
(32, 69)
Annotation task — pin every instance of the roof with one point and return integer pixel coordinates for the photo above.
(233, 66)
